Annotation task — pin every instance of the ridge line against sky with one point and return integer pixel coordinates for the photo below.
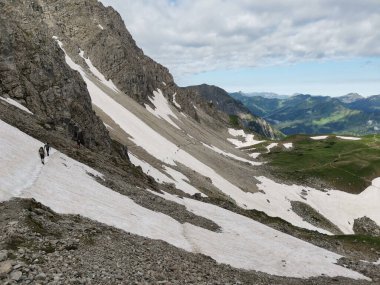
(327, 47)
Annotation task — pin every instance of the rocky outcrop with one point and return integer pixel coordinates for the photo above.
(33, 72)
(313, 217)
(233, 111)
(100, 32)
(366, 226)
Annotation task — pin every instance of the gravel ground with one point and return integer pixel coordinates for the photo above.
(39, 246)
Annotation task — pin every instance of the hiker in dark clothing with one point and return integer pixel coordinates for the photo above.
(47, 148)
(42, 154)
(78, 143)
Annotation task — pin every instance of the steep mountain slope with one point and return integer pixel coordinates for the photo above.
(239, 115)
(242, 238)
(369, 105)
(259, 105)
(350, 114)
(186, 169)
(33, 72)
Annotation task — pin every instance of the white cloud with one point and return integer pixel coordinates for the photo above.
(191, 36)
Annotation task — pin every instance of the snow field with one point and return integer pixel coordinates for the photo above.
(217, 150)
(81, 194)
(97, 73)
(319, 137)
(16, 104)
(243, 243)
(182, 182)
(349, 138)
(272, 145)
(162, 109)
(236, 133)
(288, 145)
(255, 154)
(339, 137)
(175, 102)
(248, 140)
(178, 179)
(150, 170)
(339, 207)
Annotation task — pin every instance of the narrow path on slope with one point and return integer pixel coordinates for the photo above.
(35, 174)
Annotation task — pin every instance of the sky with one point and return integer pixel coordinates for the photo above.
(320, 47)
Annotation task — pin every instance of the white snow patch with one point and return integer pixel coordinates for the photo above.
(288, 145)
(319, 137)
(247, 244)
(162, 109)
(150, 170)
(107, 126)
(374, 263)
(178, 179)
(175, 102)
(217, 150)
(254, 154)
(97, 73)
(182, 182)
(349, 138)
(100, 26)
(243, 243)
(339, 207)
(16, 104)
(163, 83)
(236, 133)
(272, 145)
(248, 139)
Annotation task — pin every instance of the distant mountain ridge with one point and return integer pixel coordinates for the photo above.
(268, 95)
(350, 98)
(349, 114)
(239, 115)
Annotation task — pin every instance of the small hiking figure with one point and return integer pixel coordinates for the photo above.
(78, 142)
(42, 154)
(47, 148)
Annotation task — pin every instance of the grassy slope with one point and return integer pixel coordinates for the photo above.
(342, 164)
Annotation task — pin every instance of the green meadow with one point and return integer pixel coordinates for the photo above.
(341, 164)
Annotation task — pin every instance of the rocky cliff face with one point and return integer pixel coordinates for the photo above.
(101, 33)
(231, 109)
(33, 72)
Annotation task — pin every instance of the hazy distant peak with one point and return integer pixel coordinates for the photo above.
(350, 97)
(268, 95)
